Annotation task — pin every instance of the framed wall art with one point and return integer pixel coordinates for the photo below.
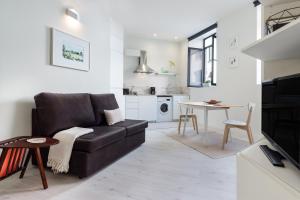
(233, 61)
(69, 51)
(233, 42)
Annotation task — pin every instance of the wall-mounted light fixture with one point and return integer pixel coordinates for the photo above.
(73, 13)
(256, 3)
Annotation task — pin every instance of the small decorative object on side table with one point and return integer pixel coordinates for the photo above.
(19, 146)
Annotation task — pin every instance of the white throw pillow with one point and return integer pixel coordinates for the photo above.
(113, 116)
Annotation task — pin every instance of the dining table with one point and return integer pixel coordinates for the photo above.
(201, 105)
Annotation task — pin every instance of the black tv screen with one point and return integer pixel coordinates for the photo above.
(281, 115)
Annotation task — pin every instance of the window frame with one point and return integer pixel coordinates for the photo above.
(189, 68)
(214, 36)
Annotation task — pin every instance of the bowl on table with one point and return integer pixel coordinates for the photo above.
(213, 102)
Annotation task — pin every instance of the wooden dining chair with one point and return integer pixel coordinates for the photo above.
(191, 116)
(240, 125)
(12, 157)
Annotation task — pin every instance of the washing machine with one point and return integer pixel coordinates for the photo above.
(164, 108)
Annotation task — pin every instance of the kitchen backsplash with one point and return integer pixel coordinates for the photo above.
(141, 83)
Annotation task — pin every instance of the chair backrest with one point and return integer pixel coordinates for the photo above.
(182, 111)
(251, 107)
(11, 159)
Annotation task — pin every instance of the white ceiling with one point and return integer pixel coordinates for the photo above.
(170, 18)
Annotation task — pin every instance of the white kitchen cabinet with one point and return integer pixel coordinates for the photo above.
(147, 108)
(141, 107)
(176, 107)
(132, 113)
(132, 99)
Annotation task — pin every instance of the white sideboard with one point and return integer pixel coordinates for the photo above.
(258, 179)
(176, 108)
(141, 107)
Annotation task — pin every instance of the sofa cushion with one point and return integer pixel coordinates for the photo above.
(113, 116)
(101, 137)
(56, 112)
(103, 102)
(132, 126)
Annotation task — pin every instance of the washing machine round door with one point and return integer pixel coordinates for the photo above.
(164, 108)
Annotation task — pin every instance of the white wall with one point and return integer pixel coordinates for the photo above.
(159, 53)
(273, 69)
(279, 68)
(25, 56)
(117, 62)
(235, 85)
(183, 62)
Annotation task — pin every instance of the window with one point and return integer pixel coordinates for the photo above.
(202, 58)
(210, 62)
(195, 67)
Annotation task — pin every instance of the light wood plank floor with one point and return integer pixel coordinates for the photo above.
(160, 169)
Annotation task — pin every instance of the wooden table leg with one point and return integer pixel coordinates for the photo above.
(26, 163)
(196, 124)
(185, 119)
(41, 167)
(205, 134)
(205, 120)
(227, 117)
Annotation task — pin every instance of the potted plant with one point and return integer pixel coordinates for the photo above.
(172, 66)
(206, 83)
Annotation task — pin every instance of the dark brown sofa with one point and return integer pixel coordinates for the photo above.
(93, 151)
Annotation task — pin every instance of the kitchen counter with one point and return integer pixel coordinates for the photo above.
(139, 95)
(157, 95)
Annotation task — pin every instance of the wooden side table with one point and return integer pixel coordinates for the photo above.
(34, 149)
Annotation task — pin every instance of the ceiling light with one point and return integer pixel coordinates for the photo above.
(154, 35)
(73, 13)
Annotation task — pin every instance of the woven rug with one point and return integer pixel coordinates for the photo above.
(211, 145)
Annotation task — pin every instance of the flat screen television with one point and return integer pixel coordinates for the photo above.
(281, 116)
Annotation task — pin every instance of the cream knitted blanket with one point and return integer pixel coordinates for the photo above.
(60, 154)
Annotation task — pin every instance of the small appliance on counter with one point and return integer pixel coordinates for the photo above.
(152, 90)
(125, 91)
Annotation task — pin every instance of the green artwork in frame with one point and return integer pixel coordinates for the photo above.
(69, 51)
